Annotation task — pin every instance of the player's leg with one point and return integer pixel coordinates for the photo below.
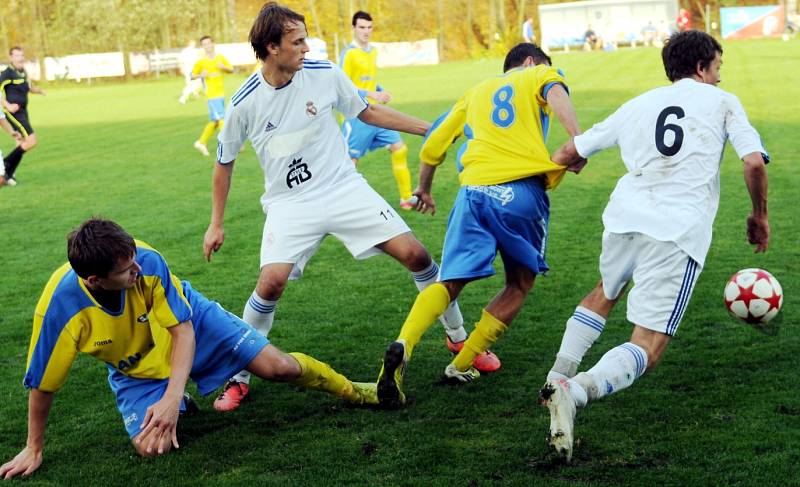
(402, 176)
(495, 320)
(216, 111)
(18, 120)
(305, 371)
(664, 278)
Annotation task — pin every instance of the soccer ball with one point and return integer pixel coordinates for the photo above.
(753, 295)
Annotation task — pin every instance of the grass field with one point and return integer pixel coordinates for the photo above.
(721, 409)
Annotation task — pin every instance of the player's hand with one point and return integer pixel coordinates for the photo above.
(160, 426)
(382, 97)
(204, 74)
(578, 166)
(213, 240)
(18, 137)
(758, 232)
(25, 463)
(425, 201)
(12, 107)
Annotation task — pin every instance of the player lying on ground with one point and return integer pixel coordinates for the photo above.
(502, 205)
(117, 300)
(657, 223)
(312, 189)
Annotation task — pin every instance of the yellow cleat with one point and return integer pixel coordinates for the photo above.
(364, 393)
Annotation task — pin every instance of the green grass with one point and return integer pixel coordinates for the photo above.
(722, 408)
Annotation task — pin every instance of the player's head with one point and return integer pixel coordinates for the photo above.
(207, 43)
(102, 253)
(692, 54)
(362, 26)
(279, 35)
(525, 54)
(17, 56)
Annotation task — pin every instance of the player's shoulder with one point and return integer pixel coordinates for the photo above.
(313, 65)
(240, 98)
(148, 258)
(63, 295)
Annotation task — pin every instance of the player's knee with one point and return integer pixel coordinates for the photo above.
(278, 366)
(271, 286)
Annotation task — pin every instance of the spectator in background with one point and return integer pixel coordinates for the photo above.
(591, 40)
(187, 59)
(684, 20)
(649, 33)
(15, 87)
(527, 30)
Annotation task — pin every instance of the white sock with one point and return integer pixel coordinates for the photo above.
(452, 319)
(618, 368)
(258, 313)
(583, 328)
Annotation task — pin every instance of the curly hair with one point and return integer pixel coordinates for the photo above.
(684, 50)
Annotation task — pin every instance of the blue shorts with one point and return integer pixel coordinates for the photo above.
(511, 218)
(216, 109)
(362, 138)
(224, 346)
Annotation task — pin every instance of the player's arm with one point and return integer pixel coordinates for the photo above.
(197, 71)
(38, 90)
(389, 118)
(160, 424)
(444, 131)
(30, 458)
(225, 65)
(220, 187)
(561, 104)
(755, 177)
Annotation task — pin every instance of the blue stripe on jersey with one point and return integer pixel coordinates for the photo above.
(316, 61)
(245, 94)
(435, 124)
(67, 300)
(154, 265)
(461, 150)
(545, 119)
(306, 66)
(546, 88)
(247, 84)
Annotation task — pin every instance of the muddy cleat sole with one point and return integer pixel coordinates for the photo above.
(555, 395)
(364, 393)
(390, 380)
(485, 362)
(454, 376)
(232, 396)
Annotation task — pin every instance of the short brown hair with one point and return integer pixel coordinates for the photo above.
(15, 48)
(270, 26)
(95, 247)
(684, 50)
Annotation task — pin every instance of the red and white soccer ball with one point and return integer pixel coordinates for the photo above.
(753, 295)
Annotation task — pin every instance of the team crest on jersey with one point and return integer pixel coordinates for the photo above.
(270, 127)
(311, 110)
(143, 319)
(298, 173)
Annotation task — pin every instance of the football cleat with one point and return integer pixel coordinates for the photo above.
(190, 405)
(409, 204)
(390, 379)
(231, 396)
(201, 147)
(455, 376)
(364, 393)
(485, 362)
(11, 181)
(556, 396)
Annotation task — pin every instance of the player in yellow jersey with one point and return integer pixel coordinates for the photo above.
(505, 170)
(211, 69)
(359, 61)
(117, 300)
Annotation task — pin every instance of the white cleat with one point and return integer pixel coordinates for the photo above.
(555, 395)
(452, 374)
(201, 147)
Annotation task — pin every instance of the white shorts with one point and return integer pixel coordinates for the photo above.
(663, 276)
(352, 212)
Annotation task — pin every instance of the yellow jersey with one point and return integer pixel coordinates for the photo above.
(133, 339)
(213, 82)
(361, 66)
(505, 120)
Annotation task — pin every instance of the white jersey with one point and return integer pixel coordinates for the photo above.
(294, 131)
(671, 140)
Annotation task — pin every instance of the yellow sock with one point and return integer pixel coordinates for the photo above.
(208, 131)
(321, 377)
(430, 303)
(401, 172)
(486, 332)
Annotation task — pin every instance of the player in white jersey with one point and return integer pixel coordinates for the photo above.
(311, 187)
(657, 222)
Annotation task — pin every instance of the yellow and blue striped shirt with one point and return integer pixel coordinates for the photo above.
(133, 340)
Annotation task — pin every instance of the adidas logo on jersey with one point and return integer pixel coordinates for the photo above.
(270, 127)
